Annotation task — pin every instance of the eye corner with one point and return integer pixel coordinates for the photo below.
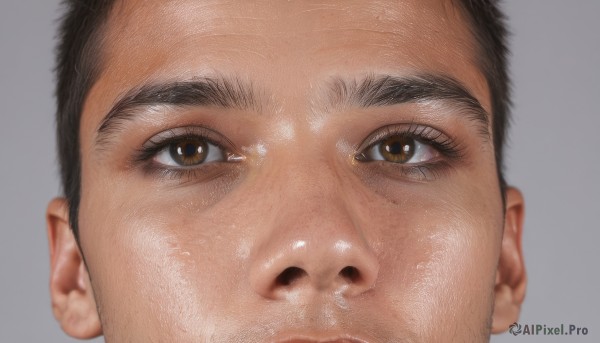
(185, 152)
(361, 157)
(430, 154)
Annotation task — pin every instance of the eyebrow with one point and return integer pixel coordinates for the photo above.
(206, 91)
(368, 91)
(387, 90)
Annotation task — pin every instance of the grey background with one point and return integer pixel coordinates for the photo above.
(553, 157)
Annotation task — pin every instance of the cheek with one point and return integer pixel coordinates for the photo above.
(449, 276)
(163, 261)
(438, 256)
(160, 265)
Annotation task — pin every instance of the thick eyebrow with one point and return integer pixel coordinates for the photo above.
(388, 90)
(369, 91)
(206, 91)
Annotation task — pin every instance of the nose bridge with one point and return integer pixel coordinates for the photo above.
(313, 243)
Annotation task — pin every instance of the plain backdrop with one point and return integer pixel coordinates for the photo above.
(553, 157)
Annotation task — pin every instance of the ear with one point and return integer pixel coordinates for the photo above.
(72, 297)
(511, 279)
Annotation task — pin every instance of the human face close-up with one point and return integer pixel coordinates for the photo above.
(274, 171)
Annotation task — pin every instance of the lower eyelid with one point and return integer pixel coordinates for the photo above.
(427, 172)
(417, 172)
(185, 175)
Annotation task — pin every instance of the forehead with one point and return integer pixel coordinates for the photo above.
(273, 42)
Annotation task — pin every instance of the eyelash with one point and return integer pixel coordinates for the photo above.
(426, 171)
(448, 147)
(161, 141)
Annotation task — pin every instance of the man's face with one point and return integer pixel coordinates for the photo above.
(290, 169)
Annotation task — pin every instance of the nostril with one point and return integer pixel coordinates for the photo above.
(350, 273)
(289, 275)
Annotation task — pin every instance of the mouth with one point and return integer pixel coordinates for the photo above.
(320, 339)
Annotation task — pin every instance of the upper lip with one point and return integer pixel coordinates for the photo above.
(320, 339)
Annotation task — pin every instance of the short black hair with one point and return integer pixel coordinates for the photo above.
(78, 64)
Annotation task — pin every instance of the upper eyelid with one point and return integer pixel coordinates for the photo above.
(449, 147)
(416, 130)
(164, 149)
(159, 141)
(203, 132)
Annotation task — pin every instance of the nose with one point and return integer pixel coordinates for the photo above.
(313, 247)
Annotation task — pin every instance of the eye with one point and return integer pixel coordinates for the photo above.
(401, 149)
(189, 152)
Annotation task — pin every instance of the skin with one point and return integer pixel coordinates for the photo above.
(204, 256)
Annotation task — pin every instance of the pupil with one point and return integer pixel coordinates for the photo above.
(398, 149)
(189, 152)
(190, 149)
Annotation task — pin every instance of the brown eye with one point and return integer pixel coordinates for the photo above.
(401, 149)
(397, 149)
(189, 148)
(189, 152)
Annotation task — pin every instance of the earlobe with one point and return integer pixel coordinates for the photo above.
(511, 279)
(72, 297)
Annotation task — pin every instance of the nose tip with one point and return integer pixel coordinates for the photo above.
(342, 268)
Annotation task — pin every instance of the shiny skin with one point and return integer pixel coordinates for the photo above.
(196, 258)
